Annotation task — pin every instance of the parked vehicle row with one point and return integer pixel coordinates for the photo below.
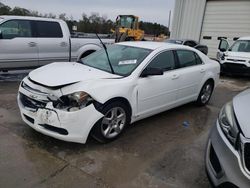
(227, 156)
(29, 42)
(103, 92)
(234, 59)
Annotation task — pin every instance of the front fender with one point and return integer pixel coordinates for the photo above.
(103, 90)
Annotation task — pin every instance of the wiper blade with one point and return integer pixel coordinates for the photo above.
(105, 48)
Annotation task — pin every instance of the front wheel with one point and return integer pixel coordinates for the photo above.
(110, 127)
(205, 93)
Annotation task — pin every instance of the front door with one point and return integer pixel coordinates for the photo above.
(158, 93)
(18, 47)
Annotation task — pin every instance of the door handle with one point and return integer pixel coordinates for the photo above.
(202, 70)
(32, 44)
(63, 44)
(175, 76)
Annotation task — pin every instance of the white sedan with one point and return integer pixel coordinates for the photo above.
(104, 92)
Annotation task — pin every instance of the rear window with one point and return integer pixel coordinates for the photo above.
(188, 58)
(48, 29)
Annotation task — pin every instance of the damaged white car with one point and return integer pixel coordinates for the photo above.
(108, 90)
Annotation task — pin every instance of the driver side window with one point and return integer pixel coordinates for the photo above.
(164, 61)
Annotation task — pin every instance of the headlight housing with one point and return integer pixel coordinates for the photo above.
(73, 102)
(228, 123)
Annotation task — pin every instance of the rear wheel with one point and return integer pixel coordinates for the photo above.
(205, 93)
(110, 127)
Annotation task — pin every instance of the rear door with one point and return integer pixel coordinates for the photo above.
(53, 46)
(18, 47)
(190, 70)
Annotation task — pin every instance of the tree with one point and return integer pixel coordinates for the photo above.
(4, 10)
(63, 16)
(88, 24)
(20, 11)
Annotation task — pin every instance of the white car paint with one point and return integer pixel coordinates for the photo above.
(29, 52)
(146, 95)
(242, 58)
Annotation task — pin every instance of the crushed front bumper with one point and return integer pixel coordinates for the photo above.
(68, 126)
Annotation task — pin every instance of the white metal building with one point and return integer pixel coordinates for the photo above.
(208, 20)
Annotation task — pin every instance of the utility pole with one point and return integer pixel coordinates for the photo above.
(169, 22)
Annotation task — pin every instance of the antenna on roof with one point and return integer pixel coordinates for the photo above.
(105, 48)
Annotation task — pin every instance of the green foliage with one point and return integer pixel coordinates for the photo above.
(88, 24)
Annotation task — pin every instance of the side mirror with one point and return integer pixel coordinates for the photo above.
(151, 72)
(224, 45)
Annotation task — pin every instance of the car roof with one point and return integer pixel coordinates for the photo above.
(182, 39)
(152, 45)
(244, 38)
(7, 17)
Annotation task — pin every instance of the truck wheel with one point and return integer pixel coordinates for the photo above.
(205, 93)
(110, 127)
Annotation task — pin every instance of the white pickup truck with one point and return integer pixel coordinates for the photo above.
(29, 42)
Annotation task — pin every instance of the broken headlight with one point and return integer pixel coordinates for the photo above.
(73, 102)
(228, 123)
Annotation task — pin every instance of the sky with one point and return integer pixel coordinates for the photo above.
(147, 10)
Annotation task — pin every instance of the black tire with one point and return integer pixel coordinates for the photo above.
(200, 100)
(97, 131)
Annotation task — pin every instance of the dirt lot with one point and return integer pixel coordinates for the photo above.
(160, 151)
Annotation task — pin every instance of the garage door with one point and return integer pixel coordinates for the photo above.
(228, 19)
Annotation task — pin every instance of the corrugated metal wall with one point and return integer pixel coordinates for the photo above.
(228, 19)
(188, 18)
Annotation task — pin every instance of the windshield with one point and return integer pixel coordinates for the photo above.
(126, 21)
(124, 59)
(241, 46)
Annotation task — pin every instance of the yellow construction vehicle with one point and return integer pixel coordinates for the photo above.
(127, 29)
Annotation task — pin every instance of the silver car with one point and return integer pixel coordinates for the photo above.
(228, 148)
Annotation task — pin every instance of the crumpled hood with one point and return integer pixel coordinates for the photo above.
(64, 73)
(241, 104)
(237, 55)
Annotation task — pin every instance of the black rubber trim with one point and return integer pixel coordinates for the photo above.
(31, 120)
(55, 129)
